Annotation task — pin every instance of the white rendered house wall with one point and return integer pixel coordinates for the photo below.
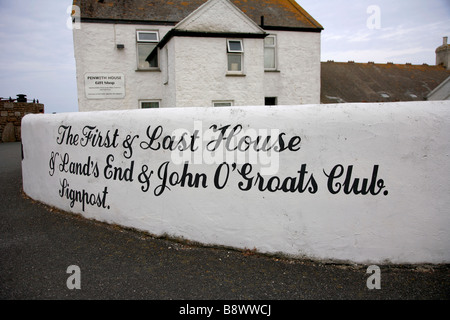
(96, 52)
(296, 79)
(193, 70)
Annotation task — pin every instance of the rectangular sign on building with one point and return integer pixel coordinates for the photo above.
(104, 85)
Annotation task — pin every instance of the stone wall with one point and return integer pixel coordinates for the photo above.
(11, 114)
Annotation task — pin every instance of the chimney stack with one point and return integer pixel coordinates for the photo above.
(443, 54)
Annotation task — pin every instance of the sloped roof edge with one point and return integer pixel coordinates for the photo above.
(306, 14)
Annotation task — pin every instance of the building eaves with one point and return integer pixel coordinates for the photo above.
(181, 33)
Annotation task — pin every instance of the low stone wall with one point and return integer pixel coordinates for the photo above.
(11, 114)
(365, 183)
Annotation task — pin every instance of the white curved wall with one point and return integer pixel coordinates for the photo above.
(401, 149)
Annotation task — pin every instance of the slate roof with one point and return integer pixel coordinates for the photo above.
(373, 82)
(277, 13)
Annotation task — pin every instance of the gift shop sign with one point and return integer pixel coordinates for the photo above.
(104, 85)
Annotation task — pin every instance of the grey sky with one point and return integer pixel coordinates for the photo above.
(409, 30)
(36, 56)
(37, 53)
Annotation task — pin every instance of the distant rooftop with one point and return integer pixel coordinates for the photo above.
(374, 82)
(284, 14)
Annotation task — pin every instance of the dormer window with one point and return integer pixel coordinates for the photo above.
(147, 53)
(235, 50)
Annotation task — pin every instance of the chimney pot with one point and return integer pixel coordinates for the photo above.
(445, 41)
(21, 98)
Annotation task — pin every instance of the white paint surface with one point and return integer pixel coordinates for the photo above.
(193, 70)
(407, 141)
(218, 16)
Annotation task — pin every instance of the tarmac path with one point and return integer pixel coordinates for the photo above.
(38, 244)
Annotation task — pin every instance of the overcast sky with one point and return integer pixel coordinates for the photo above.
(36, 55)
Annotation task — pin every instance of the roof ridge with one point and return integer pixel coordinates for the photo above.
(386, 63)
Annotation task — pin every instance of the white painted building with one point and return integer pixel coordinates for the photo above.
(441, 92)
(148, 53)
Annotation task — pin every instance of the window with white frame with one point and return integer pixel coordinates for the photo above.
(235, 50)
(149, 104)
(227, 103)
(147, 53)
(270, 52)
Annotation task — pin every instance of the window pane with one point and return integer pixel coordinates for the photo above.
(222, 104)
(235, 46)
(148, 105)
(269, 58)
(147, 61)
(147, 36)
(234, 62)
(269, 41)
